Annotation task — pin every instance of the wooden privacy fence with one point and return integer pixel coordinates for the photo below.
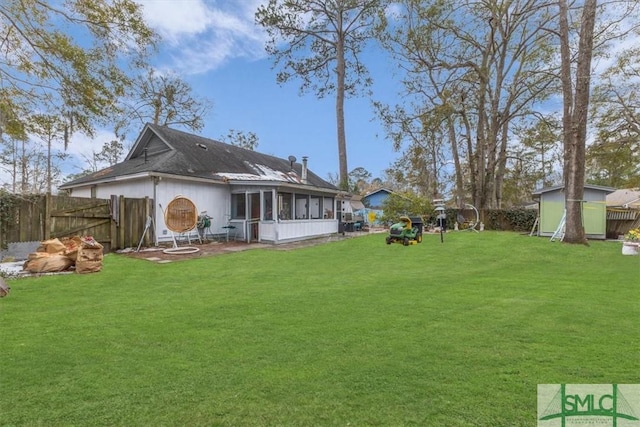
(620, 221)
(116, 223)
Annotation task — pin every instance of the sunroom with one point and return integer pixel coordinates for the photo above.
(281, 214)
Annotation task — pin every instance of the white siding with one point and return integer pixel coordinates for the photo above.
(268, 231)
(137, 189)
(303, 229)
(82, 192)
(214, 199)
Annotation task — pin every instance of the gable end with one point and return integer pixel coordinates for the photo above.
(152, 147)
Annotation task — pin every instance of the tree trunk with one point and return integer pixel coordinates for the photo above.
(472, 155)
(342, 139)
(456, 161)
(575, 116)
(502, 165)
(24, 185)
(481, 134)
(49, 166)
(14, 168)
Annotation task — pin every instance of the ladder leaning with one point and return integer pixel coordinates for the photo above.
(535, 226)
(559, 233)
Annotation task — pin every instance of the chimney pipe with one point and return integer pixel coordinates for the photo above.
(304, 169)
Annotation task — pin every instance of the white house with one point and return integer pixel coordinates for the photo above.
(263, 198)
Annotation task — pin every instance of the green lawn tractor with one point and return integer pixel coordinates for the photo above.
(407, 231)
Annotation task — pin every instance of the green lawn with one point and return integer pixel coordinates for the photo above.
(354, 332)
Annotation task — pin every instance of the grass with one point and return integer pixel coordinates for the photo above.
(354, 332)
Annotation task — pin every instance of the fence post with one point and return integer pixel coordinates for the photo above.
(147, 214)
(113, 232)
(122, 228)
(47, 216)
(23, 220)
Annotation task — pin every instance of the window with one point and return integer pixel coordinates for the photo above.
(327, 204)
(267, 198)
(302, 206)
(315, 207)
(285, 205)
(238, 206)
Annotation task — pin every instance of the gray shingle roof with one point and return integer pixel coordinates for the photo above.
(589, 186)
(625, 197)
(162, 150)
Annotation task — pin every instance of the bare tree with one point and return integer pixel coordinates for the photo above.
(614, 157)
(49, 129)
(329, 36)
(472, 68)
(31, 170)
(162, 99)
(239, 138)
(111, 153)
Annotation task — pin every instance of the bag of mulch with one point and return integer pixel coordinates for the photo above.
(52, 246)
(89, 250)
(72, 245)
(42, 262)
(88, 266)
(90, 254)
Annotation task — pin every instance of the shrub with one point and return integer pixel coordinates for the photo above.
(510, 219)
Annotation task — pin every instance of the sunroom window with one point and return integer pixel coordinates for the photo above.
(238, 206)
(285, 206)
(267, 200)
(302, 206)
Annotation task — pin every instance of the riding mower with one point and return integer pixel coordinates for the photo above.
(408, 231)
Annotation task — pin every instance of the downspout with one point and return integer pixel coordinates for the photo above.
(155, 180)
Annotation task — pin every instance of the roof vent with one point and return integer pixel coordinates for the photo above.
(204, 147)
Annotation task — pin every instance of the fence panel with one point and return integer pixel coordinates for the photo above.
(77, 216)
(117, 223)
(132, 225)
(21, 219)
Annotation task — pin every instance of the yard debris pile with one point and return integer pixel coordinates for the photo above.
(55, 255)
(89, 256)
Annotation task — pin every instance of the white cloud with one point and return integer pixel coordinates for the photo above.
(202, 35)
(175, 19)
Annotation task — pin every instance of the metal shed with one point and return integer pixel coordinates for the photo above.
(551, 208)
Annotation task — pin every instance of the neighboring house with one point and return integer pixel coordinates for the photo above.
(551, 201)
(349, 209)
(623, 212)
(263, 198)
(373, 202)
(375, 199)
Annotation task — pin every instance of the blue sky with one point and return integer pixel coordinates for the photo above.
(215, 46)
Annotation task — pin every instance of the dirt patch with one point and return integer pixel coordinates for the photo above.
(204, 250)
(208, 249)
